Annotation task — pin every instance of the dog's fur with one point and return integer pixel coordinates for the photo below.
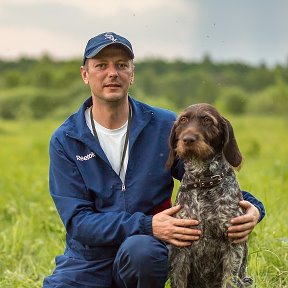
(205, 141)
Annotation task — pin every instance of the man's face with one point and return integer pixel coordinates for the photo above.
(109, 74)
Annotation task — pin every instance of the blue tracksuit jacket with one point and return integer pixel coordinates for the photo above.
(98, 211)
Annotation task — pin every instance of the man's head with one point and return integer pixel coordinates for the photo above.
(108, 67)
(99, 42)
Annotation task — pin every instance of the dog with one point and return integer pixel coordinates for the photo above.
(209, 192)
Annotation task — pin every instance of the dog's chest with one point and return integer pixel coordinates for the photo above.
(212, 207)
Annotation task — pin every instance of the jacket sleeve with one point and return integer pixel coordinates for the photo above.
(258, 204)
(76, 207)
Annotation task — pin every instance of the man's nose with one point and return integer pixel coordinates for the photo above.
(112, 70)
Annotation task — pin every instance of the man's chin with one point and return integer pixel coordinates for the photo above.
(114, 97)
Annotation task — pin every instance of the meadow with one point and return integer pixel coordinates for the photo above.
(31, 233)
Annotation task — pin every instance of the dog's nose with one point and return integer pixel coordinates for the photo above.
(188, 140)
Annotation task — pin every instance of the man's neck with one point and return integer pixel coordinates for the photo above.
(111, 116)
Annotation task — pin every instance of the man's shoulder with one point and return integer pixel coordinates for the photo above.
(70, 126)
(74, 123)
(62, 129)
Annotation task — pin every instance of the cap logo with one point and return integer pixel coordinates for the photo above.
(110, 36)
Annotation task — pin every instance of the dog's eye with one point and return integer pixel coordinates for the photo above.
(206, 120)
(183, 120)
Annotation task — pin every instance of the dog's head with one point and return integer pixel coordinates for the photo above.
(201, 132)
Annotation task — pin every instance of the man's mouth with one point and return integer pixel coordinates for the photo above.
(112, 85)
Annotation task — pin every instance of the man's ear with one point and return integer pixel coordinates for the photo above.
(84, 74)
(132, 75)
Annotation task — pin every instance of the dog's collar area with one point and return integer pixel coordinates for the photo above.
(206, 182)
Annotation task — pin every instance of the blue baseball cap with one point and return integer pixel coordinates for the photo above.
(99, 42)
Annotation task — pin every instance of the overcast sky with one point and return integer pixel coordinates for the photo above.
(254, 31)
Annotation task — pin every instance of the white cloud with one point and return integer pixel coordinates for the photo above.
(164, 28)
(34, 42)
(112, 7)
(167, 28)
(104, 8)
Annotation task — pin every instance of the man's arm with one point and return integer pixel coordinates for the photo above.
(179, 232)
(75, 205)
(172, 230)
(242, 226)
(258, 204)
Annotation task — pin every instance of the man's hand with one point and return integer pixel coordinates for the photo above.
(243, 225)
(172, 230)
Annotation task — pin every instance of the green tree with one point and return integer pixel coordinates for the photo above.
(233, 100)
(12, 78)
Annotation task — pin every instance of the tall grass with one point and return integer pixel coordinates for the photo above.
(31, 233)
(30, 230)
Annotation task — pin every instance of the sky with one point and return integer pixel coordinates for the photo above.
(251, 31)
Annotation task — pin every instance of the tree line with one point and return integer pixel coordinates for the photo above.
(45, 87)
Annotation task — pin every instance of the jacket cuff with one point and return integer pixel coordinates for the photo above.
(261, 209)
(258, 204)
(147, 229)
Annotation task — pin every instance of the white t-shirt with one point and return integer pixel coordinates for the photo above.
(112, 142)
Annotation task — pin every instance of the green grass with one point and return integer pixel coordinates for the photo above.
(31, 233)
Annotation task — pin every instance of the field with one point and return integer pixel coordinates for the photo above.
(31, 233)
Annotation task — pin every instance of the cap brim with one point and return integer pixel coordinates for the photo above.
(96, 51)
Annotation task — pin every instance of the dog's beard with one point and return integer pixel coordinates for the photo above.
(199, 150)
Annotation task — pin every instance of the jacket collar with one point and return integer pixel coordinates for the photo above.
(77, 128)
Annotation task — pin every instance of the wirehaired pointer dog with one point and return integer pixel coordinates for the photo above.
(209, 192)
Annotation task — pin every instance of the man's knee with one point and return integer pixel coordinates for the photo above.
(143, 250)
(141, 259)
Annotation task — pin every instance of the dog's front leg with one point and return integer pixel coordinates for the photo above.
(179, 266)
(234, 266)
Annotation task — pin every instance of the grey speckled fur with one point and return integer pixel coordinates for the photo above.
(213, 261)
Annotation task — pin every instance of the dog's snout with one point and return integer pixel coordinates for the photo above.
(190, 139)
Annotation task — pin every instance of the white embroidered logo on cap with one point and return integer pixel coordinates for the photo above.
(110, 36)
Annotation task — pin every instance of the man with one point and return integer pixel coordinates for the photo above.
(110, 186)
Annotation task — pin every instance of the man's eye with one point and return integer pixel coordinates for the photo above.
(100, 65)
(183, 120)
(122, 65)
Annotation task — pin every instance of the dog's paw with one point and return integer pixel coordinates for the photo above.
(247, 281)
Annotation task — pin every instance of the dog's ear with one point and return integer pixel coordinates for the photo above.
(172, 146)
(230, 146)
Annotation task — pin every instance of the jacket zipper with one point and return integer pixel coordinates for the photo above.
(124, 196)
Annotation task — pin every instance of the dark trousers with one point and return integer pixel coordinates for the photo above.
(141, 262)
